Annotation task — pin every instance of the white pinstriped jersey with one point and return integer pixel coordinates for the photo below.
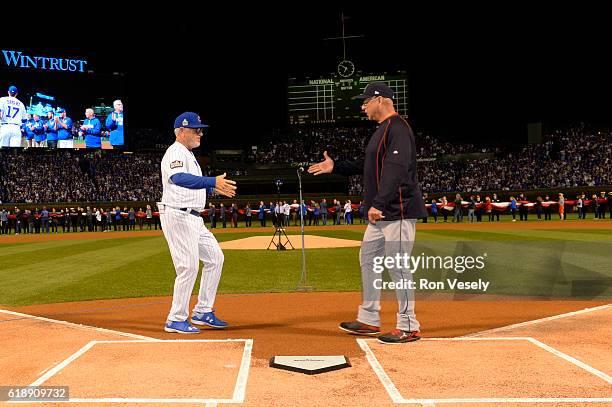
(13, 111)
(177, 159)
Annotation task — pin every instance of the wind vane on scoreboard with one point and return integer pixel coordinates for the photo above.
(345, 68)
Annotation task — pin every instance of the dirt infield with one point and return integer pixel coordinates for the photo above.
(531, 225)
(512, 363)
(296, 323)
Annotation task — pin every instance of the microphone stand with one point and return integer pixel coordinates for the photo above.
(303, 285)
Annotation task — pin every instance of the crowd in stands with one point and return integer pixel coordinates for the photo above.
(64, 176)
(574, 158)
(570, 158)
(307, 145)
(347, 143)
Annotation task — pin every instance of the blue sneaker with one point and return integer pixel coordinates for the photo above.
(182, 327)
(208, 319)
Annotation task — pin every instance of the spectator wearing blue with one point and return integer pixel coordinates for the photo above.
(348, 214)
(38, 130)
(262, 214)
(513, 207)
(27, 131)
(117, 218)
(317, 214)
(303, 211)
(114, 122)
(91, 129)
(44, 217)
(64, 132)
(434, 210)
(51, 128)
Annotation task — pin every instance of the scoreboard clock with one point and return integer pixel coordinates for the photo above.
(346, 68)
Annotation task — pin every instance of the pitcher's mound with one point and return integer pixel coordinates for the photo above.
(310, 242)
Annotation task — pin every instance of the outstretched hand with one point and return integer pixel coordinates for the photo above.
(225, 187)
(324, 167)
(375, 215)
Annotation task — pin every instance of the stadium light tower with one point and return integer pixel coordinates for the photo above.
(345, 68)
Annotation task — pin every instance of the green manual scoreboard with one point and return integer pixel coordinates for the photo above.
(329, 100)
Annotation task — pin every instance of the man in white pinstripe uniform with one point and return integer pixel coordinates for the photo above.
(183, 199)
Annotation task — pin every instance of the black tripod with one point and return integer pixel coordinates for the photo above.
(279, 229)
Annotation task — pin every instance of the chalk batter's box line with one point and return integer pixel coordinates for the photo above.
(239, 389)
(79, 326)
(539, 321)
(399, 399)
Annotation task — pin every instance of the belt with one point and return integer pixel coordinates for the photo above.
(191, 212)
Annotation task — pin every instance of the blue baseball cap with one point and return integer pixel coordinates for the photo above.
(189, 120)
(12, 89)
(60, 110)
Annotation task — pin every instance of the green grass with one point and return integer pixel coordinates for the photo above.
(547, 263)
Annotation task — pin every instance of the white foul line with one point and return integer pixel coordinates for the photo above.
(243, 373)
(207, 402)
(507, 400)
(55, 321)
(177, 341)
(538, 321)
(570, 359)
(380, 372)
(399, 399)
(239, 390)
(62, 365)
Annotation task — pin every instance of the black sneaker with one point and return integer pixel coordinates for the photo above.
(399, 336)
(358, 328)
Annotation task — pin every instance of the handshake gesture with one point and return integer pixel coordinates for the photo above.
(324, 167)
(225, 187)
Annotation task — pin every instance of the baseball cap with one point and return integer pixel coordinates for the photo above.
(189, 120)
(60, 110)
(376, 89)
(12, 89)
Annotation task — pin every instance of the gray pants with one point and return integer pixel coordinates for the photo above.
(387, 238)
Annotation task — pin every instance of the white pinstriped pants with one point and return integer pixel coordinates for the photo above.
(189, 242)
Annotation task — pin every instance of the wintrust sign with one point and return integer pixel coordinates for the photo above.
(17, 59)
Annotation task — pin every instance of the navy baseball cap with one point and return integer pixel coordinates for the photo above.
(12, 89)
(376, 89)
(189, 120)
(60, 110)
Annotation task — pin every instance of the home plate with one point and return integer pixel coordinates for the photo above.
(310, 364)
(310, 242)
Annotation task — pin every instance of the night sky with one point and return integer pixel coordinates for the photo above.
(474, 75)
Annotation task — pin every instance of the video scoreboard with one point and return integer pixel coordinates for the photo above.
(329, 100)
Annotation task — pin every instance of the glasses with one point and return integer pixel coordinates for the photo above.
(368, 100)
(199, 131)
